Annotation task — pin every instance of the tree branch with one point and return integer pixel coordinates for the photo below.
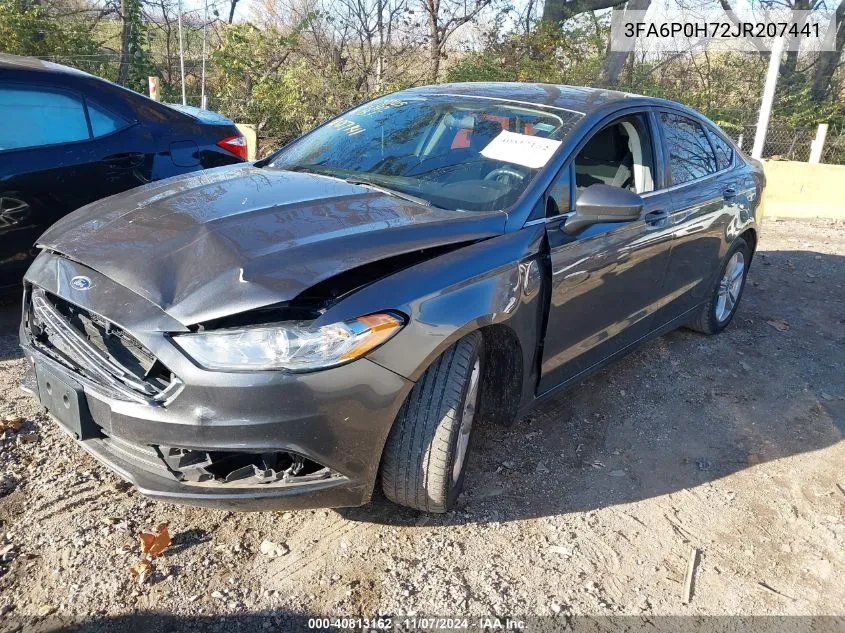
(560, 10)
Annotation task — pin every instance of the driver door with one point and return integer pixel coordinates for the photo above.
(606, 280)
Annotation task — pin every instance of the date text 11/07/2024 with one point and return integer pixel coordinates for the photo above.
(417, 623)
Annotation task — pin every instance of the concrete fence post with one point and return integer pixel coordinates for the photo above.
(768, 98)
(817, 145)
(250, 132)
(153, 88)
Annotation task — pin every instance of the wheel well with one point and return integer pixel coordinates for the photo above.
(750, 237)
(501, 386)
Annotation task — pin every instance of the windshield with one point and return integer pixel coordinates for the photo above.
(453, 152)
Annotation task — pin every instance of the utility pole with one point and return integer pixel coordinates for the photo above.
(203, 104)
(380, 61)
(182, 55)
(768, 98)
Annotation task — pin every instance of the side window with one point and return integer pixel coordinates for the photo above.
(690, 154)
(102, 121)
(620, 154)
(724, 152)
(558, 200)
(37, 117)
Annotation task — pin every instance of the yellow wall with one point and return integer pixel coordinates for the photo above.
(248, 130)
(804, 190)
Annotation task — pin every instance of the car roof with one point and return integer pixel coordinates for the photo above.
(575, 98)
(15, 62)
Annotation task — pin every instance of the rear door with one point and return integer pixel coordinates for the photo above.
(607, 280)
(59, 150)
(704, 189)
(126, 154)
(47, 167)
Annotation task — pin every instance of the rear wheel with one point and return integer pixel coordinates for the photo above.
(425, 456)
(724, 300)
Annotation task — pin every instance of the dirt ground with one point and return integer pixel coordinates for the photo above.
(731, 445)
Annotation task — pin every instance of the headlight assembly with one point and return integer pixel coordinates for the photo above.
(294, 345)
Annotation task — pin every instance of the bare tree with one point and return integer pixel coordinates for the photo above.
(560, 10)
(444, 17)
(829, 61)
(125, 41)
(614, 61)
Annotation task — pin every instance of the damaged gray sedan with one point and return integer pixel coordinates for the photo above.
(288, 333)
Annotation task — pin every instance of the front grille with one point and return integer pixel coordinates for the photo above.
(96, 349)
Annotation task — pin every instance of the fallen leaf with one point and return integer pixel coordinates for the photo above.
(155, 544)
(142, 569)
(13, 422)
(779, 324)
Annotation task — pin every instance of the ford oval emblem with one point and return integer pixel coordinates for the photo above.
(80, 282)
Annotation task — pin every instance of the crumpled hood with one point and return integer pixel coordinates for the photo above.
(227, 240)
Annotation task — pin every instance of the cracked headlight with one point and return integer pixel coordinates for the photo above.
(295, 346)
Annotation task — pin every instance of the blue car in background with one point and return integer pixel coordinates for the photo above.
(69, 138)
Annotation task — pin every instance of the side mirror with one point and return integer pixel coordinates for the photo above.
(603, 203)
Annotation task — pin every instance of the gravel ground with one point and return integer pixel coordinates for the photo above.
(731, 445)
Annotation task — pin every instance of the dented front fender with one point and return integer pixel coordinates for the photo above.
(495, 281)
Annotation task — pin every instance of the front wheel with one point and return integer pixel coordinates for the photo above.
(724, 300)
(425, 455)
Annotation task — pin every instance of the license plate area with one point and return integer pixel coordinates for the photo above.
(66, 402)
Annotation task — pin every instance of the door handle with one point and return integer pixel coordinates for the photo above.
(656, 218)
(729, 192)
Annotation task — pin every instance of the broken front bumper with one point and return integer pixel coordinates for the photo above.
(239, 440)
(334, 423)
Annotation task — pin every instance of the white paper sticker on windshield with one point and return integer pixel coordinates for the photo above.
(521, 149)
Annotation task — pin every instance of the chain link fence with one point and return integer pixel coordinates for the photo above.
(785, 142)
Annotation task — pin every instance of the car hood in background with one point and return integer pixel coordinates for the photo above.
(220, 242)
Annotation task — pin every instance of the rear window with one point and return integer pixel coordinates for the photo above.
(37, 117)
(690, 154)
(724, 151)
(198, 114)
(104, 122)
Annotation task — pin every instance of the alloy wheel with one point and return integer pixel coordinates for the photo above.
(467, 415)
(730, 286)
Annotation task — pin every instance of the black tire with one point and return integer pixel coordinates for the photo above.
(421, 451)
(707, 321)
